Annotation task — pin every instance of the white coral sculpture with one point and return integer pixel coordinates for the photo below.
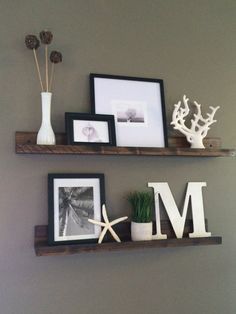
(199, 125)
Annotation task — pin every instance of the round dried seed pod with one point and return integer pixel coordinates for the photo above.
(55, 56)
(46, 37)
(32, 42)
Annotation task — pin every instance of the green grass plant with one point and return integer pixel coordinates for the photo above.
(142, 206)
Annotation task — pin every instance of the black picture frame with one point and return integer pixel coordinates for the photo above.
(105, 88)
(73, 198)
(77, 123)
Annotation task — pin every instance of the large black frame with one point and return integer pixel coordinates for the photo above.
(70, 117)
(93, 76)
(51, 205)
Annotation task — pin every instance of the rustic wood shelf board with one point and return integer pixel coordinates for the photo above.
(26, 144)
(43, 249)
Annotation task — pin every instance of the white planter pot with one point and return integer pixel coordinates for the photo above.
(141, 231)
(46, 135)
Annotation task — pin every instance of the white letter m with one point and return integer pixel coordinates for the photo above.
(194, 192)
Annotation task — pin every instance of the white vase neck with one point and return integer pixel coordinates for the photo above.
(46, 93)
(46, 107)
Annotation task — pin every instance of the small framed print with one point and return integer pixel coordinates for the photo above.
(90, 129)
(137, 104)
(72, 200)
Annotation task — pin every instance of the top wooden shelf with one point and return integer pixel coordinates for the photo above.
(178, 146)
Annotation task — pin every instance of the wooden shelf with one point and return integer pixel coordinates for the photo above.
(26, 144)
(43, 249)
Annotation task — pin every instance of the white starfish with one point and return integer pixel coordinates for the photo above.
(107, 225)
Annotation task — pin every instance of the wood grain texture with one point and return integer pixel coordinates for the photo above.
(25, 144)
(43, 249)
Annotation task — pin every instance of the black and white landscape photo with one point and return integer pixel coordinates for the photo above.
(131, 115)
(129, 112)
(76, 206)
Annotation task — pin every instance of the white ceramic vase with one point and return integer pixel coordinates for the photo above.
(45, 134)
(141, 231)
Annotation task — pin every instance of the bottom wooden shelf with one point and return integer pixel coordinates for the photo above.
(43, 249)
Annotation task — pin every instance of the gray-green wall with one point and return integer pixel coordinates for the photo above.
(191, 45)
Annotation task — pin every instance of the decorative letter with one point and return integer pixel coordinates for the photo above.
(194, 190)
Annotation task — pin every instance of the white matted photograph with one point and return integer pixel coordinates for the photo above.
(132, 113)
(73, 199)
(88, 129)
(138, 106)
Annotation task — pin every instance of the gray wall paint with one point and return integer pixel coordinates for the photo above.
(191, 45)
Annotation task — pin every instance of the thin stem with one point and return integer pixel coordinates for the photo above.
(38, 70)
(46, 63)
(51, 77)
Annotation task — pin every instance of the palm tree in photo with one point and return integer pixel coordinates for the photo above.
(76, 205)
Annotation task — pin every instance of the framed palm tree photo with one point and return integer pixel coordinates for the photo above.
(72, 200)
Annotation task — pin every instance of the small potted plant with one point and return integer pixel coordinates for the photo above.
(142, 210)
